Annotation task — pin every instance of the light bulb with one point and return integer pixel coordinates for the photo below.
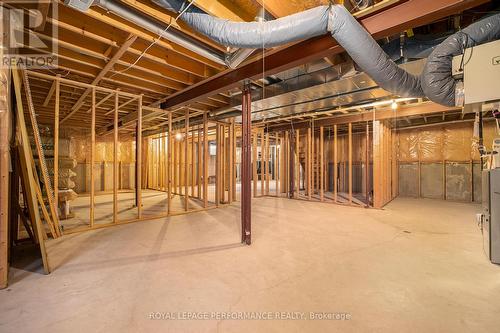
(394, 105)
(178, 136)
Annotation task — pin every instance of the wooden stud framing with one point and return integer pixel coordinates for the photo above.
(350, 163)
(92, 160)
(309, 164)
(186, 169)
(313, 161)
(263, 163)
(230, 158)
(444, 180)
(286, 161)
(5, 125)
(322, 164)
(169, 164)
(115, 160)
(266, 163)
(217, 164)
(138, 162)
(297, 163)
(39, 149)
(233, 165)
(254, 163)
(205, 160)
(277, 164)
(335, 164)
(193, 159)
(175, 152)
(367, 165)
(26, 159)
(56, 142)
(199, 164)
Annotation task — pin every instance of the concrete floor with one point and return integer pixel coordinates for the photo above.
(416, 266)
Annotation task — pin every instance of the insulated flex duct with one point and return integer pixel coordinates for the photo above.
(438, 84)
(437, 81)
(317, 21)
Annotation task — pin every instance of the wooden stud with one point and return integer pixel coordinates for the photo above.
(138, 162)
(92, 159)
(41, 156)
(233, 166)
(266, 163)
(309, 163)
(26, 159)
(193, 158)
(317, 166)
(223, 164)
(175, 152)
(115, 160)
(5, 127)
(231, 161)
(169, 164)
(367, 165)
(277, 164)
(109, 65)
(350, 163)
(313, 161)
(322, 163)
(164, 167)
(297, 163)
(471, 183)
(262, 166)
(186, 142)
(335, 164)
(199, 164)
(217, 164)
(286, 163)
(254, 163)
(56, 142)
(205, 160)
(444, 179)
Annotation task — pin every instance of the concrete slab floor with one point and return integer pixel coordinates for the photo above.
(416, 266)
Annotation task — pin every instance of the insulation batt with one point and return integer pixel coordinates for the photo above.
(436, 82)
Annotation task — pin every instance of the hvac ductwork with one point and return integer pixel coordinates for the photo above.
(172, 35)
(232, 60)
(363, 49)
(437, 83)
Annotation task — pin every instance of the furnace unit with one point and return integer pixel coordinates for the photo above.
(490, 221)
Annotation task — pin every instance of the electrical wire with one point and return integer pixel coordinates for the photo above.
(160, 36)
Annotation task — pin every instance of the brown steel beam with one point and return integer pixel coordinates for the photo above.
(246, 165)
(405, 15)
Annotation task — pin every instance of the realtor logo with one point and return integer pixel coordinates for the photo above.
(496, 60)
(29, 36)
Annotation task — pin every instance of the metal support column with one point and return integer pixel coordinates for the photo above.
(246, 166)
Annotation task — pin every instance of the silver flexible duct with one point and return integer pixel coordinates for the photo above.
(313, 22)
(253, 35)
(437, 81)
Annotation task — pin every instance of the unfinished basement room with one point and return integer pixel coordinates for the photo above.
(249, 166)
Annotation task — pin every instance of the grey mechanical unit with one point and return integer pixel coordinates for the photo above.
(490, 218)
